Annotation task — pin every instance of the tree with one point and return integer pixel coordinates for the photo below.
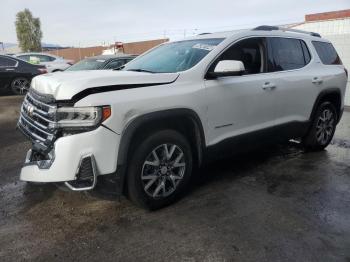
(28, 31)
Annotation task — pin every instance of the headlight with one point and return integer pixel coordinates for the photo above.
(80, 117)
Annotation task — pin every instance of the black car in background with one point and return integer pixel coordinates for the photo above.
(17, 74)
(102, 62)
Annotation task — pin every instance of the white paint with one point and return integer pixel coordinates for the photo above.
(239, 102)
(338, 32)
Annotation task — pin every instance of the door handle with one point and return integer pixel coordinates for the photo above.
(268, 86)
(10, 69)
(317, 80)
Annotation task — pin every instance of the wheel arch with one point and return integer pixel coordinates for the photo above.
(160, 120)
(332, 95)
(184, 120)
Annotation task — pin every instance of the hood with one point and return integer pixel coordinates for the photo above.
(64, 85)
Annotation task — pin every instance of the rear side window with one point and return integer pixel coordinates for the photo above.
(327, 53)
(7, 62)
(307, 56)
(24, 57)
(287, 54)
(45, 58)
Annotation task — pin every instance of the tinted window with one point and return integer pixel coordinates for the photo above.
(7, 62)
(327, 53)
(249, 51)
(36, 58)
(286, 54)
(307, 56)
(45, 58)
(24, 57)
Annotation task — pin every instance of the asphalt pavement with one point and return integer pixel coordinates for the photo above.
(274, 204)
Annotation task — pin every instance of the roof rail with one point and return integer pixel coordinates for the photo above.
(271, 28)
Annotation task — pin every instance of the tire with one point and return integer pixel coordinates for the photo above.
(153, 183)
(322, 128)
(20, 85)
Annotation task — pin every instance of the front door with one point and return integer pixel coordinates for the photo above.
(241, 104)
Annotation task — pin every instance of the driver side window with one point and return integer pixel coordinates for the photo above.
(249, 51)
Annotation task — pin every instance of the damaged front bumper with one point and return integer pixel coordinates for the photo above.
(76, 160)
(73, 157)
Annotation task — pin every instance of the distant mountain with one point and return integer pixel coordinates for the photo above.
(50, 45)
(47, 45)
(7, 45)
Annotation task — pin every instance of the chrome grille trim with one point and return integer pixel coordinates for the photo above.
(32, 136)
(34, 124)
(35, 114)
(37, 120)
(34, 101)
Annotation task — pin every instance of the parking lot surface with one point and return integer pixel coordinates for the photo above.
(276, 204)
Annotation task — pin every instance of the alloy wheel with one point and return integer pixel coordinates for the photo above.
(20, 86)
(163, 170)
(325, 126)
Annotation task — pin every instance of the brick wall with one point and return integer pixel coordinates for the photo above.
(138, 48)
(76, 54)
(328, 15)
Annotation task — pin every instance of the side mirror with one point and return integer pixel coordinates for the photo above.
(227, 68)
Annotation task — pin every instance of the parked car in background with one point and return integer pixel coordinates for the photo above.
(17, 74)
(102, 62)
(53, 63)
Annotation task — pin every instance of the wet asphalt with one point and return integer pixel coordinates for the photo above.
(275, 204)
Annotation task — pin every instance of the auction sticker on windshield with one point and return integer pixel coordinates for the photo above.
(204, 46)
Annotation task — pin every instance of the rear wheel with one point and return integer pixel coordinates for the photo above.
(322, 128)
(20, 85)
(159, 170)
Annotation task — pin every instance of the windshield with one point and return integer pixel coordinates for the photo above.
(87, 64)
(174, 57)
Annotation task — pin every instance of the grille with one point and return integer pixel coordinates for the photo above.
(37, 119)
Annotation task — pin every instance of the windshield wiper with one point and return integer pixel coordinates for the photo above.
(141, 70)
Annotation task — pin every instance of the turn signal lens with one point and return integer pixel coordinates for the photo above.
(106, 113)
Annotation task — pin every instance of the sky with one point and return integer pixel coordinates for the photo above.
(94, 22)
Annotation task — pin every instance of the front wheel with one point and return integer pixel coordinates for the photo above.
(159, 170)
(20, 85)
(322, 128)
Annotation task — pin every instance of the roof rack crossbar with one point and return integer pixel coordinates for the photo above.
(271, 28)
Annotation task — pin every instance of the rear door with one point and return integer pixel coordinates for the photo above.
(331, 73)
(291, 69)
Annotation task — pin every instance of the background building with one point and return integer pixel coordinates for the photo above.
(136, 48)
(334, 26)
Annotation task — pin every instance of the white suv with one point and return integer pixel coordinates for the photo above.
(148, 126)
(53, 63)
